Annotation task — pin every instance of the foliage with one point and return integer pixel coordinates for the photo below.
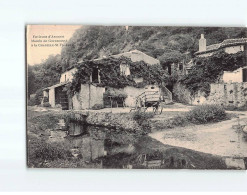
(164, 43)
(45, 99)
(115, 93)
(206, 113)
(45, 151)
(208, 69)
(30, 82)
(44, 74)
(234, 108)
(110, 76)
(199, 115)
(38, 96)
(142, 119)
(31, 102)
(97, 106)
(142, 116)
(168, 44)
(116, 99)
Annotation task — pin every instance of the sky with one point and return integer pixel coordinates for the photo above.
(45, 40)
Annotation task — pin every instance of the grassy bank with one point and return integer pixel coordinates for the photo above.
(199, 115)
(43, 154)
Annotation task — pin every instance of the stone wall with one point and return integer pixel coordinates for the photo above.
(228, 94)
(88, 96)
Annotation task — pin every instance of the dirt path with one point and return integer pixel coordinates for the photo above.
(218, 138)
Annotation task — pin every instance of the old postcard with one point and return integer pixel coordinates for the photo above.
(136, 97)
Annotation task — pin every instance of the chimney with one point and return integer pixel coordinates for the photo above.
(202, 43)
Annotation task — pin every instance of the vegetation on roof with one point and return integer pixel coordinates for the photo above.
(110, 76)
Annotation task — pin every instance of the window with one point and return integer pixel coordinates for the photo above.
(95, 75)
(180, 66)
(124, 69)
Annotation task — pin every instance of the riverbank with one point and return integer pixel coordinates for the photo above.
(102, 147)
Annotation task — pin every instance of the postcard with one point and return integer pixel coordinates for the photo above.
(136, 97)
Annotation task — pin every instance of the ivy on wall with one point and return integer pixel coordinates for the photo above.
(110, 76)
(207, 70)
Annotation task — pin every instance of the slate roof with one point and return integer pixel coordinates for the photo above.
(225, 43)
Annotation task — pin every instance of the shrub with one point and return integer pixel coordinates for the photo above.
(46, 151)
(31, 102)
(206, 113)
(45, 99)
(97, 106)
(38, 96)
(142, 119)
(234, 108)
(142, 116)
(46, 104)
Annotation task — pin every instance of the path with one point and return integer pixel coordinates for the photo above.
(218, 138)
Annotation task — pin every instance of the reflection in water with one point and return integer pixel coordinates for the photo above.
(91, 142)
(112, 148)
(76, 128)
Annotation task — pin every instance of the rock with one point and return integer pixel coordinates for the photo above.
(75, 152)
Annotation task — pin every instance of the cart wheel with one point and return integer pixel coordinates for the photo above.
(161, 109)
(154, 110)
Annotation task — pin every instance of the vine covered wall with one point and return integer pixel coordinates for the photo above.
(110, 76)
(207, 70)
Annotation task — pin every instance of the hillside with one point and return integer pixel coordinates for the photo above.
(168, 44)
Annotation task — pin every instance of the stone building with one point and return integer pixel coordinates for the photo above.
(91, 94)
(231, 90)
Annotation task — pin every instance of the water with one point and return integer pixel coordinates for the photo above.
(92, 143)
(115, 148)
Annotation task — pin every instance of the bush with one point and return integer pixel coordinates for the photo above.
(46, 151)
(97, 106)
(142, 119)
(46, 104)
(234, 108)
(31, 102)
(38, 96)
(45, 99)
(142, 116)
(206, 113)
